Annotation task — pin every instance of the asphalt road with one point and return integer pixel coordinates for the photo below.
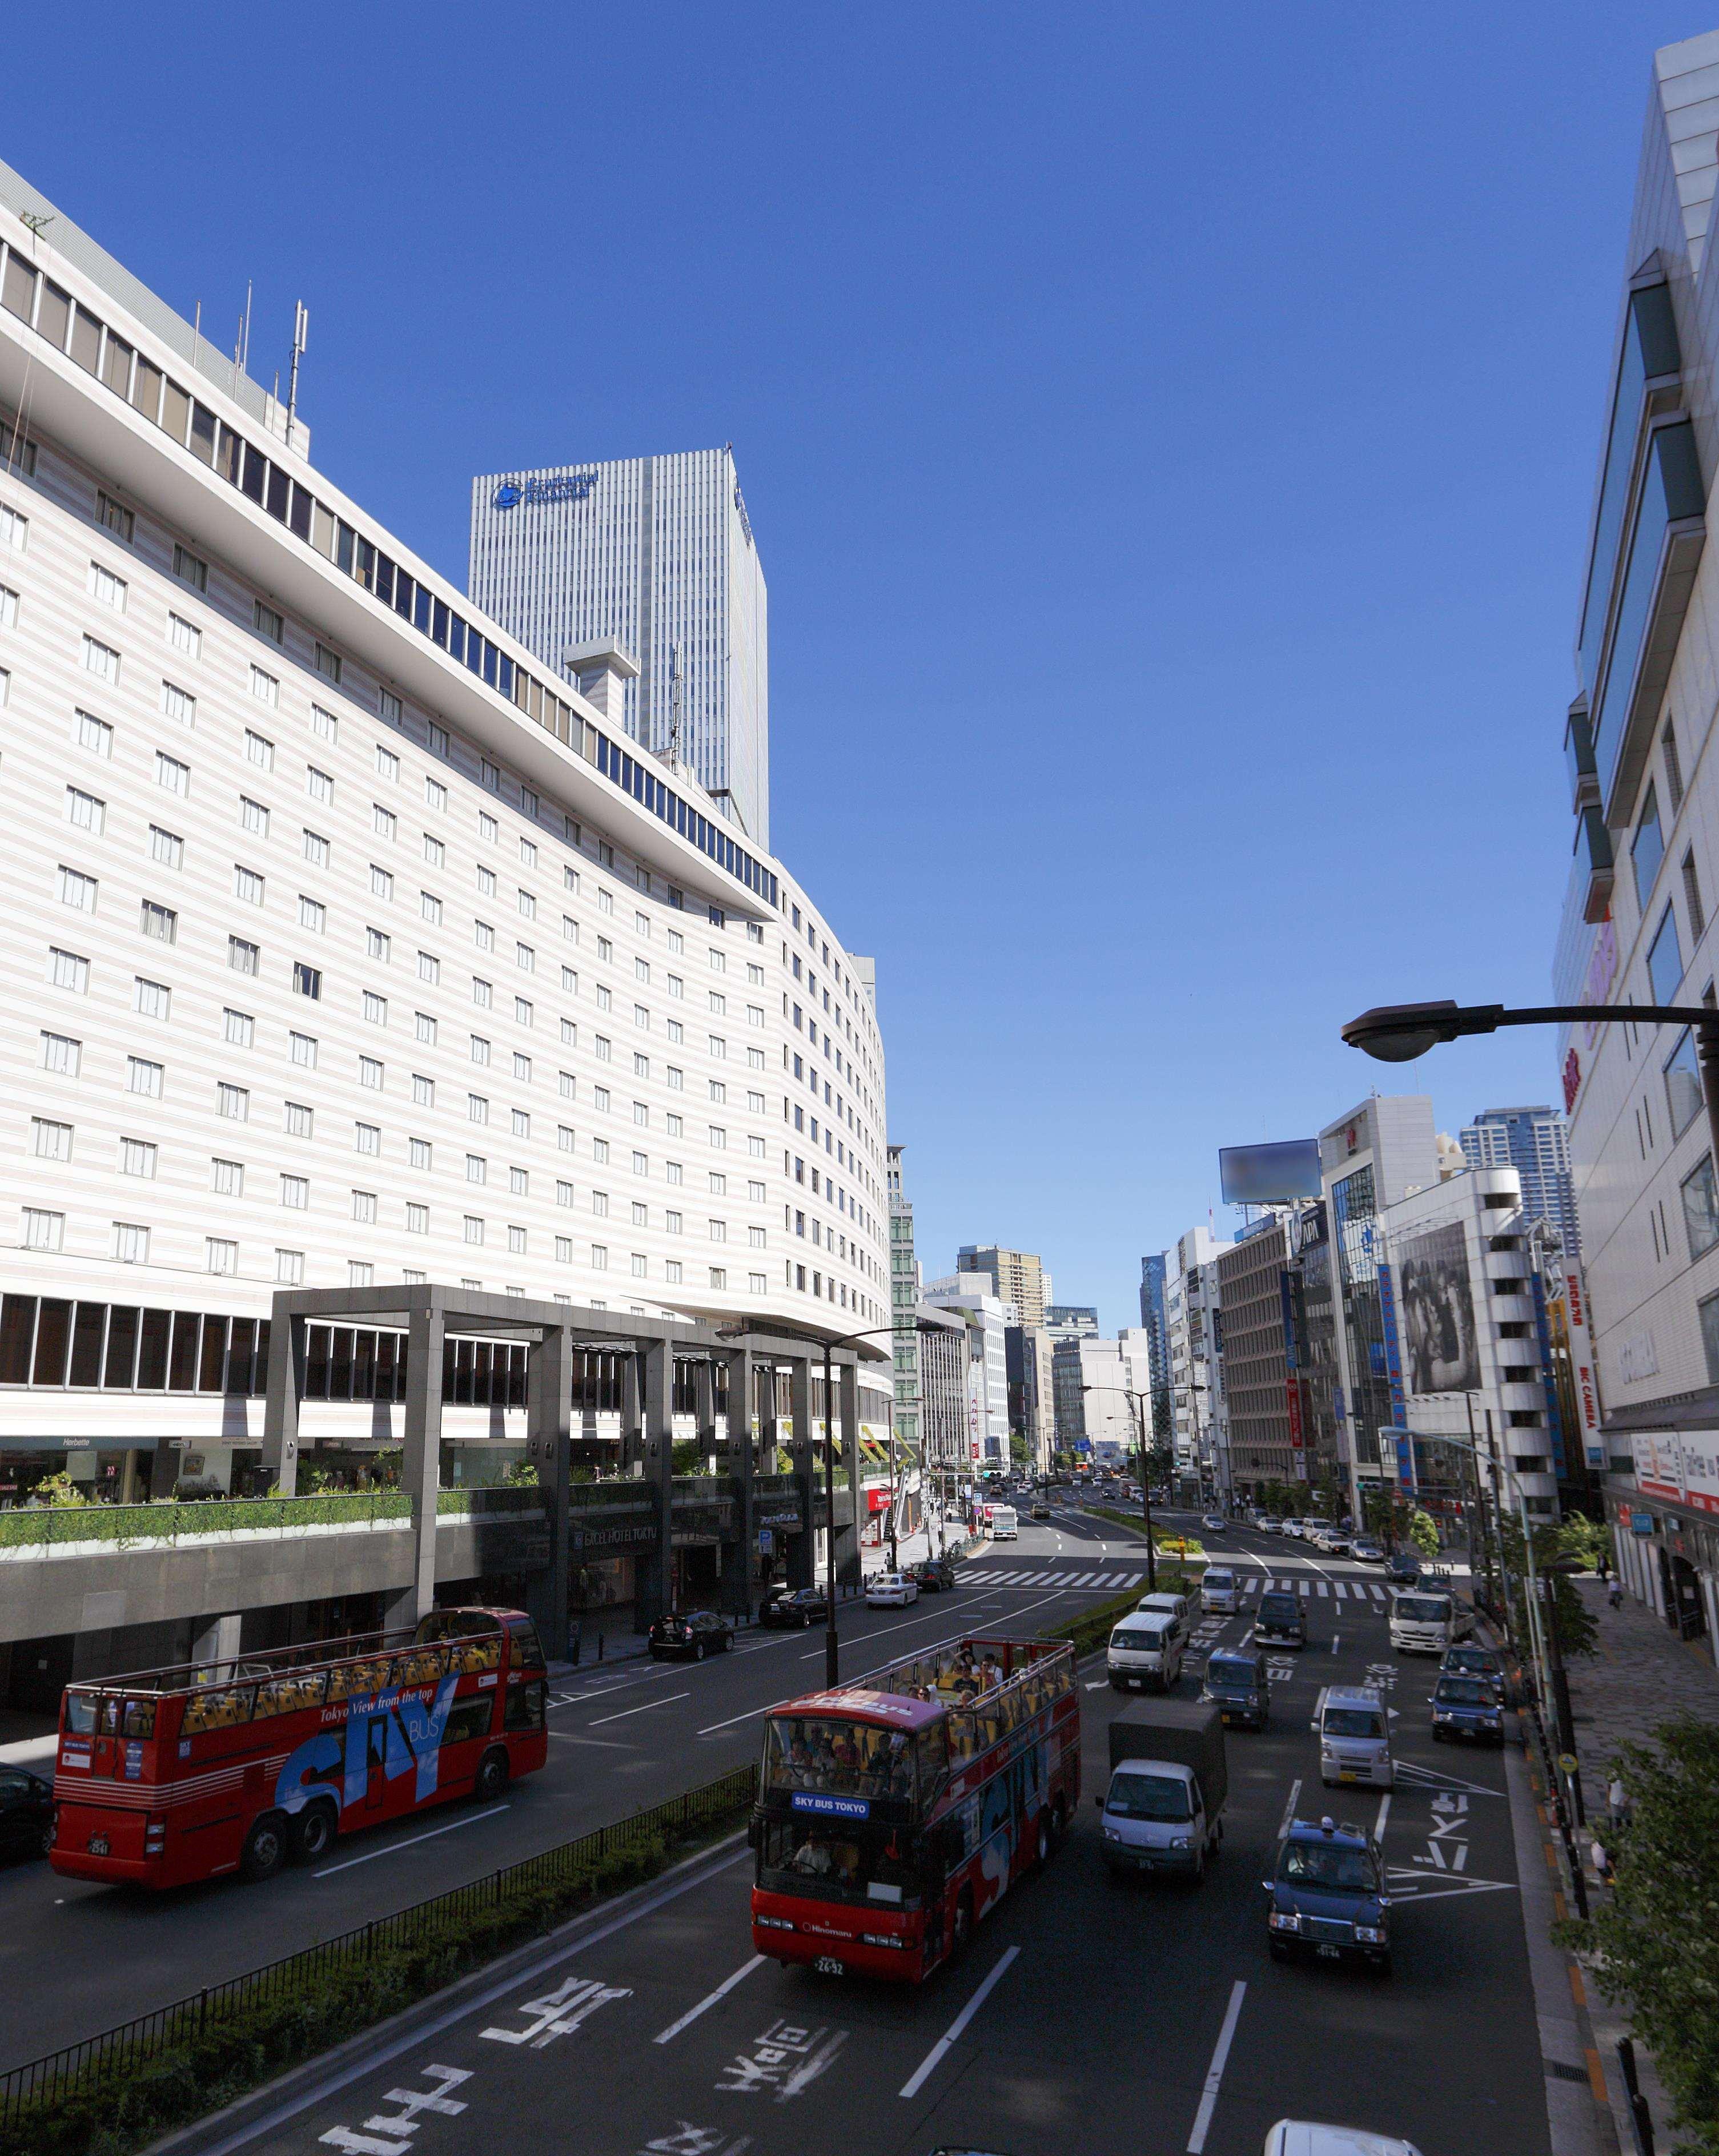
(77, 1959)
(1088, 2018)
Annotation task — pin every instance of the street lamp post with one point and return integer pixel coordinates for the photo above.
(832, 1644)
(1137, 1412)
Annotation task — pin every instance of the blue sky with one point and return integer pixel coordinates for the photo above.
(1169, 435)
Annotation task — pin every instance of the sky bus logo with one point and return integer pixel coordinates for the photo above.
(570, 486)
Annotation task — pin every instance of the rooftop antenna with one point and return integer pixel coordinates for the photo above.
(675, 676)
(301, 337)
(37, 219)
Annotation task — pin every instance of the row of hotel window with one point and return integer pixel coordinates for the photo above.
(72, 329)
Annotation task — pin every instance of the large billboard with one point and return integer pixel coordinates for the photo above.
(1269, 1174)
(1437, 1311)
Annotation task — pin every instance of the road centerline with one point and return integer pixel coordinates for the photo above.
(667, 1700)
(370, 1855)
(710, 1999)
(1214, 2072)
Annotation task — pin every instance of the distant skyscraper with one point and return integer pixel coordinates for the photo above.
(657, 553)
(1535, 1142)
(1016, 1277)
(1153, 1318)
(1067, 1324)
(903, 1303)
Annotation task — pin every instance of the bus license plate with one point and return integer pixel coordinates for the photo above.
(98, 1845)
(827, 1965)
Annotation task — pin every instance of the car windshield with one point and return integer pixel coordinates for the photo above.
(1472, 1658)
(1323, 1864)
(819, 1754)
(1423, 1608)
(1463, 1691)
(1147, 1797)
(1353, 1722)
(1278, 1607)
(1144, 1639)
(1231, 1670)
(1215, 1579)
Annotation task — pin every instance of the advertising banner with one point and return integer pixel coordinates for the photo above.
(1548, 1380)
(1582, 1366)
(1404, 1446)
(1659, 1464)
(1293, 1391)
(1700, 1449)
(1438, 1311)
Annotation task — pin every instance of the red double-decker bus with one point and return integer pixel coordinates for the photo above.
(893, 1814)
(174, 1775)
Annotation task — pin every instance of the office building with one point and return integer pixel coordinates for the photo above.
(656, 554)
(1276, 1329)
(1637, 921)
(1153, 1318)
(1190, 1303)
(1115, 1380)
(903, 1304)
(987, 1319)
(350, 951)
(1535, 1142)
(1066, 1324)
(1032, 1418)
(1015, 1276)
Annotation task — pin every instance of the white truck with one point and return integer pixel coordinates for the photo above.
(1163, 1810)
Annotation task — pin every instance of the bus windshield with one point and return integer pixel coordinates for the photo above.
(838, 1861)
(822, 1755)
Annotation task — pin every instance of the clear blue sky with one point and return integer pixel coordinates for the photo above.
(1170, 434)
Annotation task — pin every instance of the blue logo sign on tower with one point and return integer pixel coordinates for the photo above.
(571, 486)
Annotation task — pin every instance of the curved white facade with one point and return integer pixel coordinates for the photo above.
(330, 960)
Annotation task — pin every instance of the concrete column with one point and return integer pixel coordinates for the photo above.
(656, 1572)
(420, 1471)
(802, 1551)
(848, 1564)
(632, 1413)
(549, 1402)
(286, 1386)
(737, 1555)
(216, 1640)
(704, 1410)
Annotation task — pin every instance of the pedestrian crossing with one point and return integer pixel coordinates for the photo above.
(1366, 1592)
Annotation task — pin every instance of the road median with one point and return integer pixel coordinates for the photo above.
(119, 2091)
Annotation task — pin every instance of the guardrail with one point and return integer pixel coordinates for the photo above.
(174, 1520)
(81, 2071)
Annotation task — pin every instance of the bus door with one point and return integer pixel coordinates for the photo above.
(375, 1762)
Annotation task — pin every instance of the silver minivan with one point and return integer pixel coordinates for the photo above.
(1354, 1730)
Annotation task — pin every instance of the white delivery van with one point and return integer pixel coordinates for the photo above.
(1177, 1608)
(1219, 1591)
(1144, 1653)
(1427, 1624)
(1354, 1732)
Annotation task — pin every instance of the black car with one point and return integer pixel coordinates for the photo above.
(1467, 1660)
(1403, 1569)
(935, 1575)
(795, 1605)
(1280, 1621)
(26, 1812)
(1235, 1683)
(1468, 1706)
(1328, 1897)
(694, 1634)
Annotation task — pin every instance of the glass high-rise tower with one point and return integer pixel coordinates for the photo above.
(657, 553)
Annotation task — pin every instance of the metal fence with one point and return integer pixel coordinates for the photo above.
(79, 2069)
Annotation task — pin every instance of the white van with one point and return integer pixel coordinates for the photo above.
(1354, 1732)
(1424, 1623)
(1219, 1593)
(1144, 1654)
(1177, 1608)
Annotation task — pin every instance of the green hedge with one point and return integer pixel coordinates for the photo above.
(1136, 1525)
(241, 2047)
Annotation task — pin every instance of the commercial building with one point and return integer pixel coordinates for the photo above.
(1015, 1276)
(1190, 1303)
(655, 554)
(1637, 924)
(903, 1304)
(987, 1321)
(1066, 1324)
(1536, 1143)
(1263, 1437)
(1153, 1318)
(1115, 1378)
(1033, 1416)
(355, 953)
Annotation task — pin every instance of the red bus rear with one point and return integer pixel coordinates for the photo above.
(893, 1814)
(175, 1775)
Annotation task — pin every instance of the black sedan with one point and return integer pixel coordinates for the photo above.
(934, 1575)
(795, 1605)
(26, 1812)
(693, 1635)
(1280, 1621)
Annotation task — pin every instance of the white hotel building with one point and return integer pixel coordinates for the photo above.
(345, 944)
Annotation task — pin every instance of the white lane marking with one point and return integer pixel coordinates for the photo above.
(1097, 1684)
(940, 2050)
(1290, 1809)
(370, 1855)
(602, 1744)
(1384, 1814)
(667, 1700)
(750, 1712)
(1336, 1636)
(1214, 2072)
(710, 1999)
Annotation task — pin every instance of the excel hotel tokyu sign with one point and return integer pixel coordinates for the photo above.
(538, 493)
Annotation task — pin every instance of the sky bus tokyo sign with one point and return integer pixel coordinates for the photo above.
(534, 493)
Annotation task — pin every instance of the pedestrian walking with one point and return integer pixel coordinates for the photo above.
(1602, 1863)
(1618, 1801)
(1614, 1595)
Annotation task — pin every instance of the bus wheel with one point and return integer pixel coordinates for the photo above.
(963, 1930)
(316, 1834)
(491, 1777)
(1042, 1848)
(264, 1847)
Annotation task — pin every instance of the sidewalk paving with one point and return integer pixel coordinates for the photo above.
(1640, 1676)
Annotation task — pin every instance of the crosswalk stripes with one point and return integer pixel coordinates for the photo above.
(1360, 1591)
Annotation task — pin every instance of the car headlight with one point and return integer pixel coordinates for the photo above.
(1443, 1714)
(1373, 1935)
(1179, 1842)
(1112, 1835)
(1284, 1920)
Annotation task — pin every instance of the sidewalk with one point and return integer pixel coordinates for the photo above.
(1640, 1676)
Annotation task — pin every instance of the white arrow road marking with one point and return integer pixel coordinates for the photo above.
(1214, 2072)
(941, 2049)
